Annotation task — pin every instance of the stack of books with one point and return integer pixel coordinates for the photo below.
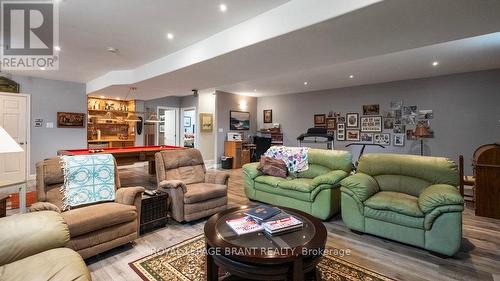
(271, 220)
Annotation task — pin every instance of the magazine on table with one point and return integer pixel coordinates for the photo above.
(262, 212)
(282, 225)
(244, 225)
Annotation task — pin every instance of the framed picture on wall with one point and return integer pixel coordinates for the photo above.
(239, 120)
(352, 135)
(371, 109)
(340, 132)
(371, 124)
(268, 116)
(319, 120)
(187, 121)
(331, 123)
(206, 122)
(366, 137)
(382, 139)
(70, 120)
(399, 139)
(352, 120)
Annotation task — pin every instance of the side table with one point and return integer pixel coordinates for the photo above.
(154, 211)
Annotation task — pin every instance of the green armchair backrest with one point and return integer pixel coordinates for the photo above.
(409, 174)
(322, 161)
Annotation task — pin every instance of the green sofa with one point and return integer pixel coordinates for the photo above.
(315, 191)
(407, 198)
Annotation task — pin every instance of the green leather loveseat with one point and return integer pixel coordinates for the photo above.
(407, 198)
(315, 191)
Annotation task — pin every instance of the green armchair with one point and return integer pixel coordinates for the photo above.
(315, 191)
(33, 247)
(407, 198)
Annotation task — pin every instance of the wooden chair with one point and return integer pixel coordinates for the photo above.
(467, 184)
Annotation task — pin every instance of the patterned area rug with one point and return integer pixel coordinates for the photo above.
(186, 261)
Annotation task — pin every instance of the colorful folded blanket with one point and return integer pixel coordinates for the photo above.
(295, 158)
(88, 179)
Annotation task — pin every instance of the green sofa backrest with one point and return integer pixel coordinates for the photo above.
(408, 173)
(322, 161)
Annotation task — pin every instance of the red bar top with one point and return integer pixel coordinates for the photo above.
(119, 150)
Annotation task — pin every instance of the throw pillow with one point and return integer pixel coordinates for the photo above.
(273, 167)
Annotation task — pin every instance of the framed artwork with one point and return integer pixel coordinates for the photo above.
(371, 124)
(331, 123)
(371, 109)
(409, 119)
(239, 120)
(340, 131)
(399, 129)
(382, 139)
(396, 104)
(410, 110)
(352, 135)
(389, 123)
(187, 121)
(410, 135)
(366, 137)
(161, 128)
(206, 122)
(70, 120)
(425, 114)
(352, 120)
(268, 116)
(340, 119)
(399, 139)
(319, 120)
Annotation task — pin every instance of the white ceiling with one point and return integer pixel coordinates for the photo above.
(377, 42)
(138, 29)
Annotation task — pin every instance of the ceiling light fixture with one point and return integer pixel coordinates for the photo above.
(351, 76)
(223, 7)
(435, 63)
(170, 36)
(305, 83)
(57, 48)
(112, 50)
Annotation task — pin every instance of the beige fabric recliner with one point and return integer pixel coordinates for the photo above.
(194, 192)
(93, 228)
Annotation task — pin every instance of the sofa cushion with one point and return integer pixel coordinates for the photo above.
(394, 217)
(269, 180)
(303, 196)
(199, 192)
(313, 171)
(301, 185)
(403, 184)
(55, 264)
(394, 201)
(273, 167)
(94, 217)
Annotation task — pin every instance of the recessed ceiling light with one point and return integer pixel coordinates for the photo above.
(57, 48)
(435, 63)
(351, 76)
(305, 83)
(170, 36)
(112, 50)
(222, 7)
(42, 68)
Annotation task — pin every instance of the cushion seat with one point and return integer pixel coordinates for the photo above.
(396, 202)
(269, 180)
(303, 196)
(394, 217)
(198, 192)
(300, 185)
(94, 217)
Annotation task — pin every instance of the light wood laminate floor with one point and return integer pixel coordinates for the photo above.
(479, 258)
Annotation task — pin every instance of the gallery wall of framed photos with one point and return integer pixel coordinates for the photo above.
(392, 127)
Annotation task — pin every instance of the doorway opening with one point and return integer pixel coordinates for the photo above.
(168, 130)
(188, 133)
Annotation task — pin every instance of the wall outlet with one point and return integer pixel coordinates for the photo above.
(49, 125)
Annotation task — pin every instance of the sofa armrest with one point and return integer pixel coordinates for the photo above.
(172, 184)
(29, 234)
(127, 195)
(44, 206)
(360, 185)
(251, 171)
(438, 195)
(331, 178)
(217, 177)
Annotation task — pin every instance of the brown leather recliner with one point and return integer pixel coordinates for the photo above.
(93, 228)
(194, 192)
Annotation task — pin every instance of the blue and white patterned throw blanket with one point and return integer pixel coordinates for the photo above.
(295, 158)
(88, 179)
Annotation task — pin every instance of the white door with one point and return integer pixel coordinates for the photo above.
(170, 127)
(13, 114)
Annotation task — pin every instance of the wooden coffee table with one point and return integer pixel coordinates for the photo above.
(259, 256)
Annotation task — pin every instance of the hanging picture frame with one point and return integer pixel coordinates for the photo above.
(268, 116)
(382, 139)
(331, 123)
(399, 139)
(352, 135)
(340, 131)
(320, 120)
(206, 122)
(371, 124)
(352, 120)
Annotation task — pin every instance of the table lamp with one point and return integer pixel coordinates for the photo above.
(421, 132)
(7, 143)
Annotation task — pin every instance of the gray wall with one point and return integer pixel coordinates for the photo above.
(165, 101)
(189, 101)
(466, 110)
(226, 102)
(47, 98)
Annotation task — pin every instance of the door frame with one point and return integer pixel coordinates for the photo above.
(28, 129)
(176, 109)
(181, 124)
